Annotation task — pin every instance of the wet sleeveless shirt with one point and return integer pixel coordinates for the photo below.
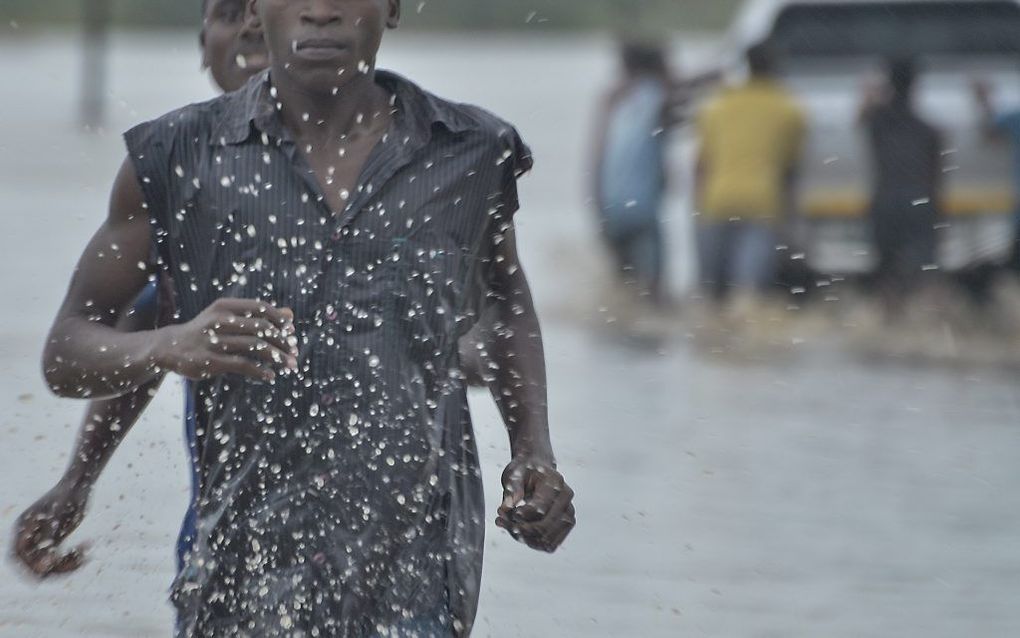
(345, 498)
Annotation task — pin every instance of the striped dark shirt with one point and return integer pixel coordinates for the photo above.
(344, 499)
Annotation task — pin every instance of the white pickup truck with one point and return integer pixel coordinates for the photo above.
(829, 49)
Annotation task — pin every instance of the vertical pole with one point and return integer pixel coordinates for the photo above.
(95, 31)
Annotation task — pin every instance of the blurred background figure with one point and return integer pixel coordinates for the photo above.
(95, 40)
(630, 173)
(750, 143)
(906, 167)
(1003, 126)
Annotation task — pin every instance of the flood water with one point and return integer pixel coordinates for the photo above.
(809, 494)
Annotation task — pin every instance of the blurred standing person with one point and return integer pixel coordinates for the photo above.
(630, 175)
(906, 160)
(1003, 126)
(751, 138)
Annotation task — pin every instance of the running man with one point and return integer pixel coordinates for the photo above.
(331, 231)
(232, 53)
(1003, 126)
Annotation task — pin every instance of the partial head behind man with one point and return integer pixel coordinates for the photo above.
(233, 49)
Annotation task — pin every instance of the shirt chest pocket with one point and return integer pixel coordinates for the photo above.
(428, 301)
(259, 252)
(409, 288)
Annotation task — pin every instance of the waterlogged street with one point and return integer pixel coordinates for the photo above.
(812, 493)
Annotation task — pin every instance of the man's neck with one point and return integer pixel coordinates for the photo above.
(353, 109)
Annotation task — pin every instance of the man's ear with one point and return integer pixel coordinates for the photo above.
(251, 15)
(393, 19)
(205, 54)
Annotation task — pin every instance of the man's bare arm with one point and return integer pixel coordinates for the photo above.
(107, 421)
(87, 357)
(538, 504)
(598, 152)
(45, 524)
(519, 384)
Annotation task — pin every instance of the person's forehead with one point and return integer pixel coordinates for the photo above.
(213, 5)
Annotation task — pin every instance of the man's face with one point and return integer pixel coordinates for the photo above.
(232, 48)
(323, 44)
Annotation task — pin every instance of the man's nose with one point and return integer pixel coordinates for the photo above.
(321, 12)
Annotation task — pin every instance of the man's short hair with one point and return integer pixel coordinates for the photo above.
(902, 75)
(761, 59)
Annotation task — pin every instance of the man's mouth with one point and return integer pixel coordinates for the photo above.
(318, 48)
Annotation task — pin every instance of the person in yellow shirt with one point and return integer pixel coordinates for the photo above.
(750, 143)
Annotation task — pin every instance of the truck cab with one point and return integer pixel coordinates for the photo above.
(829, 50)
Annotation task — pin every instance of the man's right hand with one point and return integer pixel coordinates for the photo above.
(43, 526)
(232, 336)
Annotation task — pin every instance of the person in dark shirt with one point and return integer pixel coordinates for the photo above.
(906, 160)
(232, 52)
(331, 232)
